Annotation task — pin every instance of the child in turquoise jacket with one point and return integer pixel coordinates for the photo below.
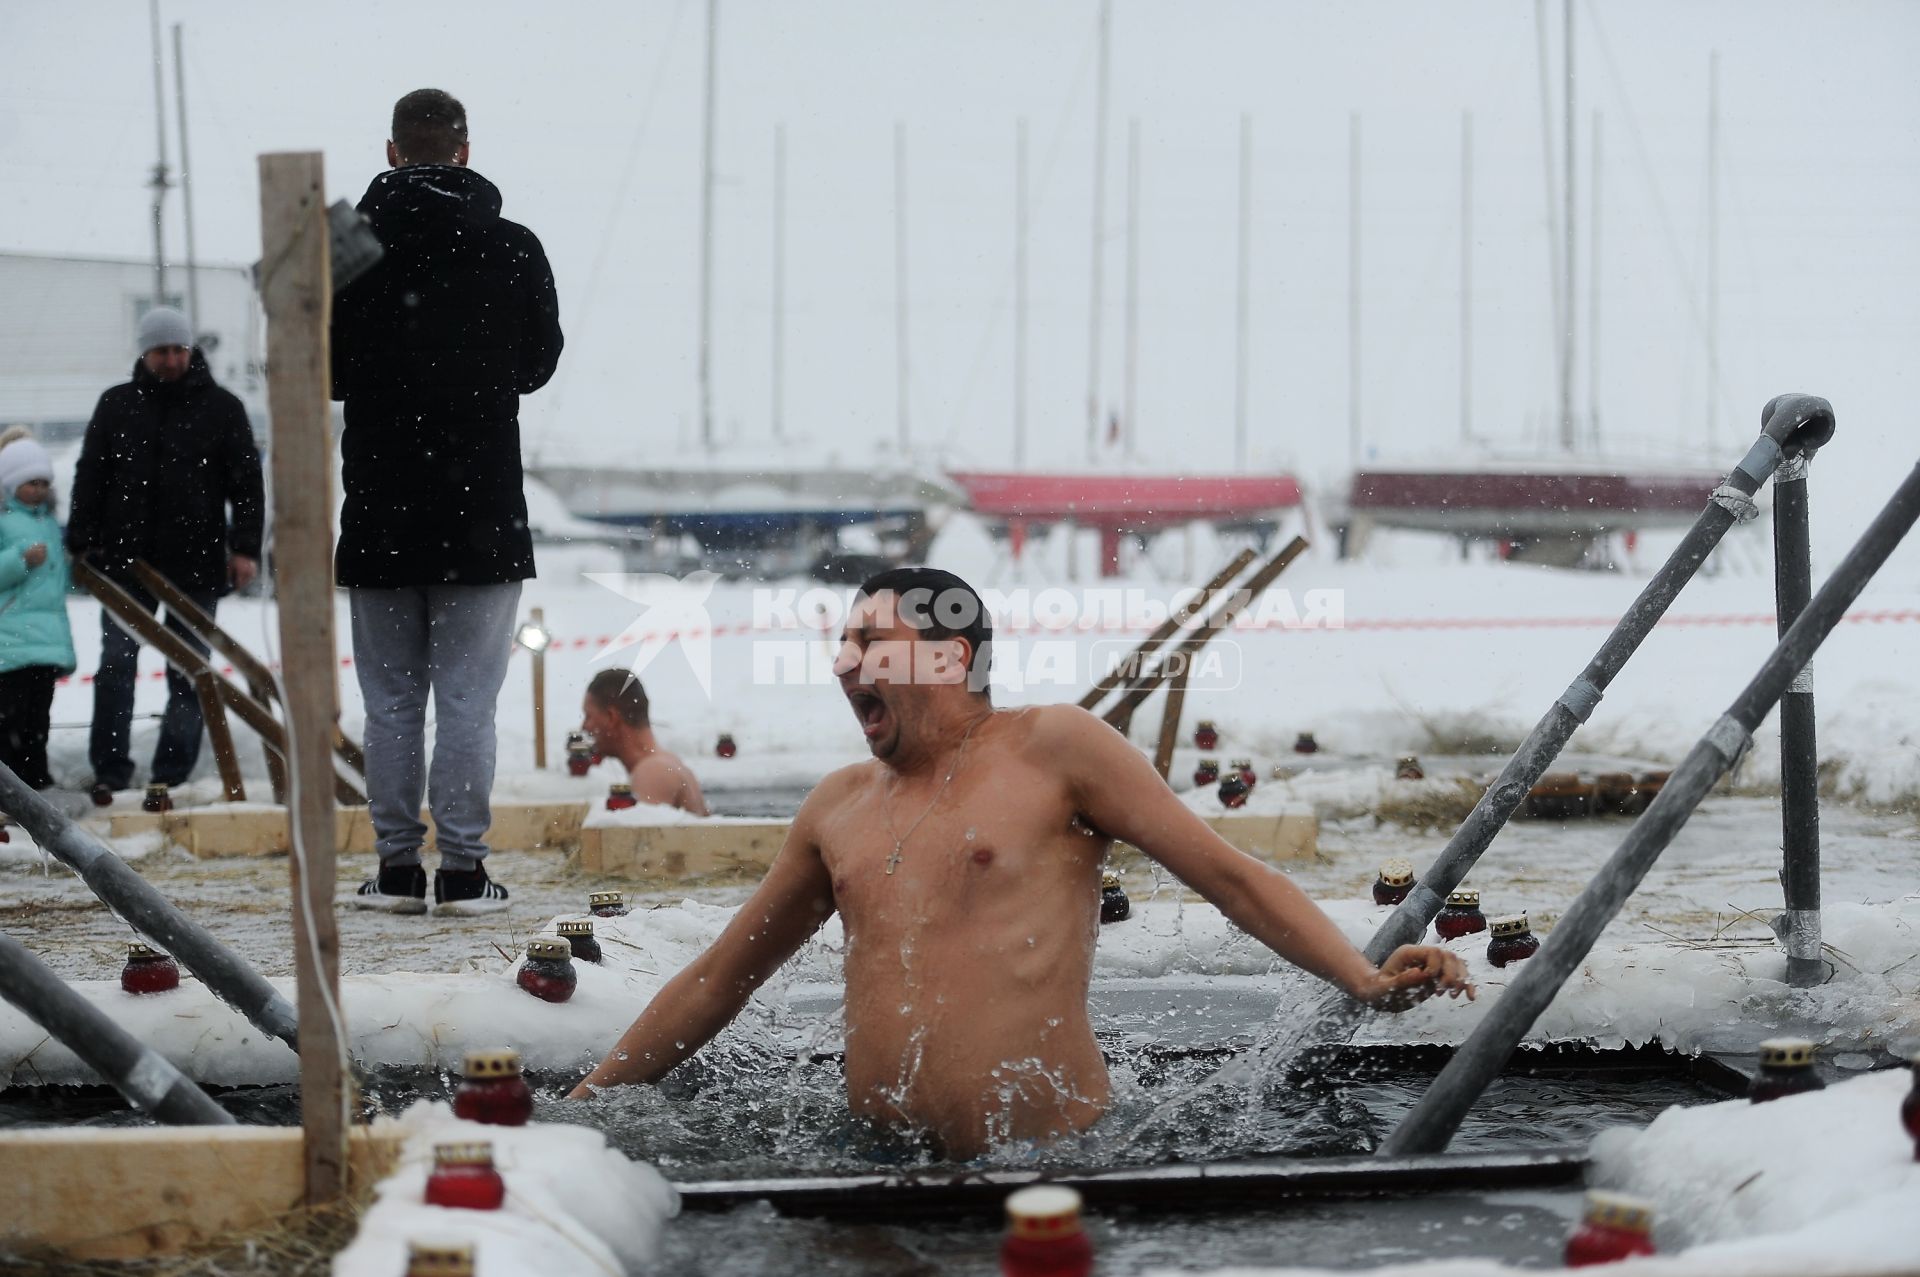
(36, 646)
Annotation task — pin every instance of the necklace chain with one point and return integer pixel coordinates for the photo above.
(900, 840)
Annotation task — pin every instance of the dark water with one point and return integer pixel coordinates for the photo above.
(1205, 1071)
(1364, 1232)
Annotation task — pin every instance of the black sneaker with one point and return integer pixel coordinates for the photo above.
(467, 892)
(396, 889)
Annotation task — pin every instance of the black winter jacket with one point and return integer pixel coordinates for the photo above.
(432, 349)
(160, 465)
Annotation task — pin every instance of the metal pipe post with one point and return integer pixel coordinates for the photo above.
(148, 912)
(137, 1071)
(1438, 1114)
(1799, 927)
(1794, 425)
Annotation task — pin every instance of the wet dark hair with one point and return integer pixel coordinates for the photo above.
(429, 126)
(620, 691)
(940, 605)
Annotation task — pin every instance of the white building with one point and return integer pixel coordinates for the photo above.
(67, 333)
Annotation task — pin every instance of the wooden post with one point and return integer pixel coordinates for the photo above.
(214, 711)
(296, 289)
(539, 694)
(1170, 721)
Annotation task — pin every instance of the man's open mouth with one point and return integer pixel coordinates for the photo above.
(869, 709)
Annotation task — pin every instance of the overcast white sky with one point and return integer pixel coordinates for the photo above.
(588, 118)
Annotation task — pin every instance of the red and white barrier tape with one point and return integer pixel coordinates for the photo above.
(1361, 625)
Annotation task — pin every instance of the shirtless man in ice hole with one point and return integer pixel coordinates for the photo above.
(965, 863)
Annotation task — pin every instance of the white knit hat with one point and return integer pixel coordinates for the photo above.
(163, 326)
(23, 461)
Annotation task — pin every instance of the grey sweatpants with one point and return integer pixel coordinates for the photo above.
(452, 641)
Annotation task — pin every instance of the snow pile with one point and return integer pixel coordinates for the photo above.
(1805, 1186)
(573, 1204)
(1829, 1173)
(1687, 997)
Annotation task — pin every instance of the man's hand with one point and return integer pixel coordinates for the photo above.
(1412, 974)
(241, 570)
(35, 554)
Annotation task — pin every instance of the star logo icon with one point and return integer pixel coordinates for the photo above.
(672, 610)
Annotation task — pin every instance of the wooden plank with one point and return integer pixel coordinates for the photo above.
(1166, 630)
(539, 696)
(1170, 721)
(259, 678)
(98, 1194)
(668, 854)
(1218, 620)
(297, 292)
(214, 712)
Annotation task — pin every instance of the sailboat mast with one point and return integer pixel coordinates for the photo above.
(1713, 247)
(779, 279)
(1020, 297)
(1099, 231)
(706, 238)
(900, 273)
(1466, 276)
(1133, 286)
(1593, 298)
(159, 181)
(1353, 288)
(1240, 326)
(1567, 438)
(186, 180)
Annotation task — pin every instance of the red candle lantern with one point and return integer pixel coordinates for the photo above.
(1394, 883)
(1114, 905)
(579, 938)
(548, 971)
(1233, 790)
(1206, 772)
(148, 971)
(725, 747)
(620, 797)
(157, 799)
(1205, 735)
(1247, 775)
(1408, 768)
(439, 1259)
(1613, 1227)
(1044, 1237)
(1513, 940)
(463, 1177)
(1786, 1068)
(1462, 916)
(606, 904)
(579, 754)
(492, 1089)
(1304, 743)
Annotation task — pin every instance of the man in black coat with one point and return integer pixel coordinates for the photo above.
(166, 456)
(432, 349)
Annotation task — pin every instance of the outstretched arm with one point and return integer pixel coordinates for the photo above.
(791, 902)
(1118, 792)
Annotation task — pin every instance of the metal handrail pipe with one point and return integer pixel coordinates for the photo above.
(1794, 426)
(150, 913)
(1437, 1115)
(148, 1079)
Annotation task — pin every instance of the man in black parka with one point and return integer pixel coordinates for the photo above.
(432, 349)
(165, 457)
